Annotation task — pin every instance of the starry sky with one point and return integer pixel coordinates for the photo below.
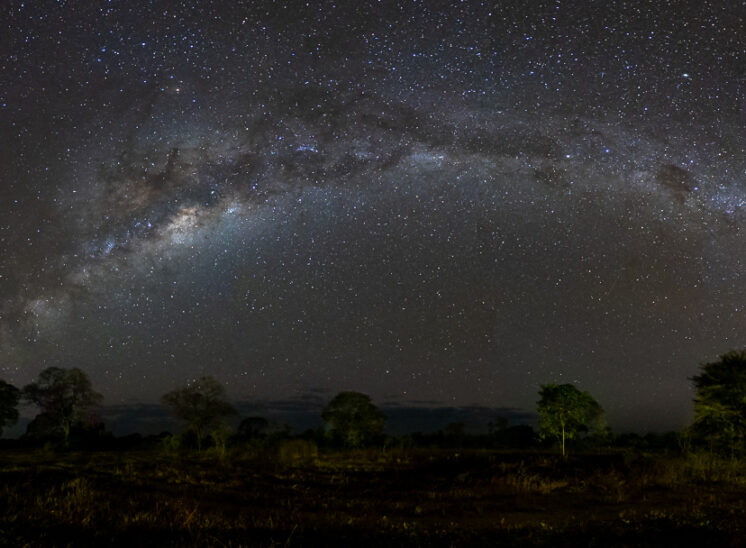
(435, 203)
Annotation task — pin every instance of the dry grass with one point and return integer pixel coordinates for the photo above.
(297, 496)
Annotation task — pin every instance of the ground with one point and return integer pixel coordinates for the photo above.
(296, 496)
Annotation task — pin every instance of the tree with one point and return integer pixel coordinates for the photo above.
(64, 396)
(720, 405)
(564, 412)
(352, 420)
(202, 404)
(9, 397)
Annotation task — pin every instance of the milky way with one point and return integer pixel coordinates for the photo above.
(438, 203)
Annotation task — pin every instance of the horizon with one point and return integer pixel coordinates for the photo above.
(302, 414)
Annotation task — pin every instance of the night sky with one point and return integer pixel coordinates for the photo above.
(434, 203)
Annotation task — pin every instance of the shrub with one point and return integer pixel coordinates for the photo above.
(297, 451)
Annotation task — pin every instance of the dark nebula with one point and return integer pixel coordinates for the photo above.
(444, 201)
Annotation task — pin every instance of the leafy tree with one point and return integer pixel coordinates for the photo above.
(42, 427)
(720, 405)
(564, 412)
(64, 396)
(352, 420)
(9, 397)
(202, 404)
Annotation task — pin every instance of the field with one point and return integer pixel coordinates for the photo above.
(296, 496)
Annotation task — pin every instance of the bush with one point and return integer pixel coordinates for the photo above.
(171, 443)
(297, 451)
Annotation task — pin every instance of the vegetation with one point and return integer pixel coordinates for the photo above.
(564, 412)
(64, 396)
(261, 486)
(352, 420)
(202, 405)
(720, 405)
(9, 398)
(253, 427)
(413, 497)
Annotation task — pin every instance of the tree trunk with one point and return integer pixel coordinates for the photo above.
(563, 441)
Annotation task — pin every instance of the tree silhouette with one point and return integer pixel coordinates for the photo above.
(564, 412)
(63, 395)
(720, 405)
(352, 420)
(201, 404)
(9, 397)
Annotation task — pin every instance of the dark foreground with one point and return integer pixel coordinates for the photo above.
(413, 498)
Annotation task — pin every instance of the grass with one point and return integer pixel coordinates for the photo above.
(298, 496)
